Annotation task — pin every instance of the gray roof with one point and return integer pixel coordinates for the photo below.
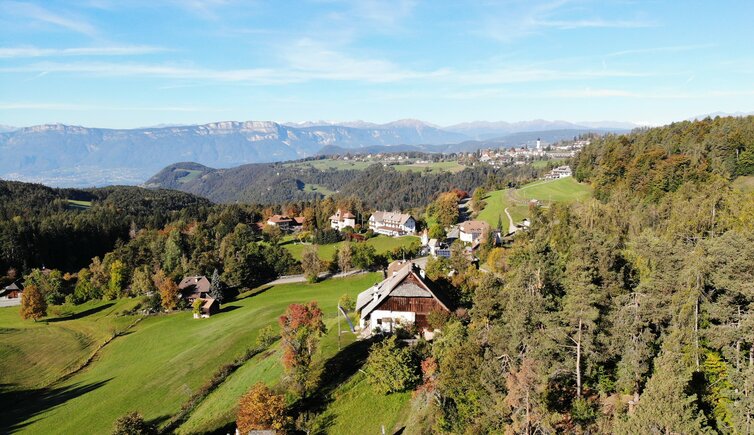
(366, 302)
(381, 216)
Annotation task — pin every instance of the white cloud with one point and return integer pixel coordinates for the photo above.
(653, 50)
(132, 50)
(90, 107)
(37, 13)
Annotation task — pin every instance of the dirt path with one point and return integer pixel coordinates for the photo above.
(511, 224)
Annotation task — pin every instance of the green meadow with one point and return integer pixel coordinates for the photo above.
(153, 367)
(382, 244)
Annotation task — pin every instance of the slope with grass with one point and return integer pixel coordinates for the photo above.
(44, 351)
(432, 167)
(162, 361)
(382, 244)
(517, 200)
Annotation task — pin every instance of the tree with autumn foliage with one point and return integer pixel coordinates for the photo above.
(168, 290)
(33, 304)
(300, 329)
(261, 409)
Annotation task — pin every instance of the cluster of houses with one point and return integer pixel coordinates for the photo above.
(472, 232)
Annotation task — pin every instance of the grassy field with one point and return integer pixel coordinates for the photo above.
(539, 164)
(745, 183)
(72, 203)
(191, 174)
(161, 361)
(41, 352)
(516, 200)
(560, 190)
(318, 188)
(435, 167)
(382, 244)
(326, 164)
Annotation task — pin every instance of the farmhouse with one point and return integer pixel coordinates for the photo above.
(197, 287)
(472, 231)
(341, 220)
(405, 297)
(280, 220)
(392, 223)
(193, 287)
(12, 291)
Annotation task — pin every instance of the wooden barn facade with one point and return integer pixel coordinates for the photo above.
(405, 297)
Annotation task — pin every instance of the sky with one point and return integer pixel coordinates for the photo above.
(126, 64)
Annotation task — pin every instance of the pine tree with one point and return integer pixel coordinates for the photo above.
(216, 287)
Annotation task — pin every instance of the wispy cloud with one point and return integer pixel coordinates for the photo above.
(312, 63)
(127, 50)
(594, 23)
(512, 20)
(37, 13)
(90, 107)
(655, 50)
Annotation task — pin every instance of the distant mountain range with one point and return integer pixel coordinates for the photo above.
(64, 155)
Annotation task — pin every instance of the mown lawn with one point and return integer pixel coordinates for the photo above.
(165, 358)
(434, 167)
(326, 164)
(83, 205)
(560, 190)
(38, 353)
(546, 191)
(382, 244)
(318, 188)
(539, 164)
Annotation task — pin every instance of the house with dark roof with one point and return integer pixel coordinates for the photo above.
(12, 291)
(281, 220)
(197, 287)
(406, 296)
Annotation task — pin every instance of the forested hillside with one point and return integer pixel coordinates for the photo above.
(379, 187)
(631, 313)
(65, 228)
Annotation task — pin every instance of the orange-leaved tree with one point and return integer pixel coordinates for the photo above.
(33, 304)
(300, 329)
(261, 409)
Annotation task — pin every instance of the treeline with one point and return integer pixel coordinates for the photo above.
(377, 186)
(631, 313)
(659, 160)
(39, 226)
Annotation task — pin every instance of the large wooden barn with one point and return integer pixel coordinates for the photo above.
(404, 297)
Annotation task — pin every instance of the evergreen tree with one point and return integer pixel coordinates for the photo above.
(216, 287)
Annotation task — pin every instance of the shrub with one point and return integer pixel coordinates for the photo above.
(391, 368)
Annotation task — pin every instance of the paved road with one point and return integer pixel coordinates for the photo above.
(290, 279)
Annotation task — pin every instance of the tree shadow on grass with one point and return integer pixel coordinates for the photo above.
(256, 292)
(227, 309)
(81, 314)
(20, 406)
(336, 371)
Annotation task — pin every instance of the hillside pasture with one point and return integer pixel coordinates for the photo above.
(517, 200)
(382, 244)
(160, 362)
(433, 167)
(80, 205)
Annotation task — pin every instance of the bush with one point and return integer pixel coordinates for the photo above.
(266, 337)
(132, 424)
(391, 368)
(260, 409)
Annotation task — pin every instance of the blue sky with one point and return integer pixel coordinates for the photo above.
(106, 63)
